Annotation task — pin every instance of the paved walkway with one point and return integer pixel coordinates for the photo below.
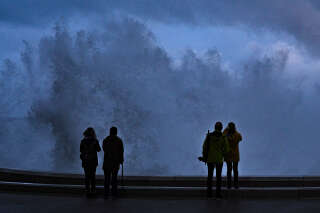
(10, 202)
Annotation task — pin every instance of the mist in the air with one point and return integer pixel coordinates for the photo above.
(120, 76)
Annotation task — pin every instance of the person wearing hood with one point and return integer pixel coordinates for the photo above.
(233, 156)
(214, 148)
(89, 147)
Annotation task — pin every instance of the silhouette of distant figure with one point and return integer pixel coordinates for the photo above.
(232, 157)
(89, 147)
(113, 157)
(214, 148)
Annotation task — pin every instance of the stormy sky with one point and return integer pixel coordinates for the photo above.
(163, 72)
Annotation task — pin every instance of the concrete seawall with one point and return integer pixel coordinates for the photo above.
(161, 186)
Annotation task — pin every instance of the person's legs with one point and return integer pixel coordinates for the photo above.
(235, 174)
(93, 179)
(107, 174)
(218, 175)
(209, 180)
(87, 178)
(229, 170)
(114, 181)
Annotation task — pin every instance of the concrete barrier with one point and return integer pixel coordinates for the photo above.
(166, 187)
(173, 181)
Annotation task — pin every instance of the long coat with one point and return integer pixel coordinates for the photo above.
(234, 139)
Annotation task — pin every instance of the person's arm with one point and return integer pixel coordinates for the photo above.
(98, 146)
(104, 145)
(81, 147)
(226, 147)
(205, 148)
(121, 152)
(81, 150)
(238, 137)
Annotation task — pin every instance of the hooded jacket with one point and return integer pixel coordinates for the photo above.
(214, 148)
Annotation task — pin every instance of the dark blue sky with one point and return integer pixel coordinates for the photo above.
(293, 16)
(233, 27)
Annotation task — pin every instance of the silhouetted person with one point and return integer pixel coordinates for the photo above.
(214, 148)
(88, 148)
(232, 157)
(113, 157)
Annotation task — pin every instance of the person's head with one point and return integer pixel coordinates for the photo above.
(218, 126)
(113, 131)
(231, 127)
(89, 132)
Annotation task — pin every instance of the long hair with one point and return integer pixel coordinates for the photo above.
(89, 132)
(231, 128)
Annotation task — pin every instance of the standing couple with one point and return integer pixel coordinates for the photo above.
(221, 146)
(113, 157)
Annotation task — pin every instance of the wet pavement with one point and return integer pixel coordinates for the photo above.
(23, 202)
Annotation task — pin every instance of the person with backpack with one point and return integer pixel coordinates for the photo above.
(89, 147)
(233, 156)
(113, 157)
(213, 150)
